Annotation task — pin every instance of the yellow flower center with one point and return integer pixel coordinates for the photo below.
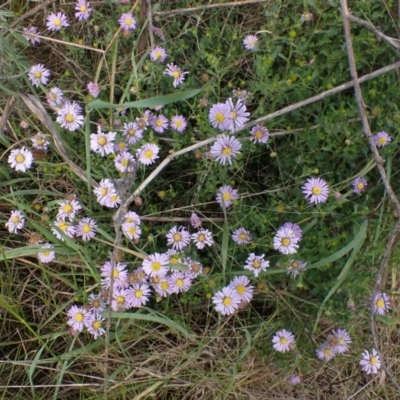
(178, 123)
(380, 303)
(104, 191)
(177, 237)
(234, 115)
(251, 42)
(176, 74)
(115, 273)
(227, 301)
(125, 162)
(159, 122)
(201, 237)
(285, 242)
(258, 134)
(15, 219)
(256, 264)
(46, 253)
(63, 225)
(131, 132)
(316, 190)
(282, 340)
(57, 22)
(132, 230)
(295, 264)
(38, 74)
(138, 294)
(20, 159)
(179, 282)
(158, 54)
(327, 351)
(148, 153)
(96, 325)
(96, 303)
(164, 285)
(226, 151)
(67, 208)
(86, 228)
(373, 360)
(156, 266)
(120, 299)
(240, 289)
(382, 140)
(83, 8)
(360, 186)
(128, 21)
(226, 196)
(79, 317)
(219, 117)
(102, 141)
(69, 118)
(243, 236)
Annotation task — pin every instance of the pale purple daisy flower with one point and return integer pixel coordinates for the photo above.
(121, 299)
(105, 189)
(20, 159)
(46, 255)
(156, 265)
(30, 35)
(297, 233)
(159, 33)
(176, 73)
(238, 114)
(55, 97)
(359, 185)
(225, 148)
(316, 189)
(159, 123)
(195, 221)
(178, 238)
(381, 139)
(83, 11)
(144, 121)
(178, 123)
(38, 74)
(326, 352)
(250, 42)
(340, 340)
(15, 222)
(131, 230)
(39, 142)
(285, 242)
(70, 116)
(120, 146)
(86, 229)
(202, 238)
(56, 22)
(148, 153)
(295, 267)
(132, 132)
(94, 89)
(294, 379)
(306, 16)
(132, 217)
(119, 274)
(163, 287)
(241, 236)
(125, 162)
(102, 143)
(180, 282)
(112, 201)
(225, 195)
(381, 303)
(96, 303)
(370, 362)
(256, 264)
(226, 301)
(127, 22)
(241, 94)
(158, 54)
(241, 285)
(95, 326)
(259, 134)
(68, 209)
(65, 227)
(139, 294)
(195, 268)
(78, 318)
(220, 116)
(283, 341)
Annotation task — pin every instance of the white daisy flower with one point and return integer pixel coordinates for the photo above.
(20, 159)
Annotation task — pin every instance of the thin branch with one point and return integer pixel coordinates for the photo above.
(379, 164)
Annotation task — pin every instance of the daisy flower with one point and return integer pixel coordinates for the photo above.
(15, 222)
(132, 132)
(285, 242)
(225, 148)
(241, 236)
(220, 116)
(125, 162)
(105, 189)
(112, 201)
(163, 287)
(259, 134)
(195, 221)
(176, 73)
(38, 74)
(294, 379)
(83, 11)
(132, 217)
(381, 303)
(121, 299)
(46, 256)
(359, 185)
(159, 123)
(30, 35)
(297, 233)
(96, 303)
(178, 123)
(158, 33)
(282, 341)
(119, 274)
(20, 159)
(241, 94)
(295, 267)
(241, 285)
(178, 238)
(95, 326)
(370, 362)
(65, 227)
(156, 265)
(139, 294)
(102, 143)
(250, 42)
(202, 238)
(56, 22)
(148, 153)
(55, 97)
(78, 318)
(306, 17)
(238, 115)
(39, 142)
(127, 22)
(316, 189)
(70, 116)
(326, 352)
(86, 229)
(226, 194)
(180, 282)
(144, 121)
(256, 264)
(194, 268)
(381, 139)
(68, 209)
(131, 230)
(340, 340)
(226, 301)
(158, 54)
(94, 89)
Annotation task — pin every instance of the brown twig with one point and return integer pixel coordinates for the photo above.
(379, 164)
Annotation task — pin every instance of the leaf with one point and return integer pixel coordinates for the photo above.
(146, 103)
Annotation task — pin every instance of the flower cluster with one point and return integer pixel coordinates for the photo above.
(229, 116)
(287, 238)
(337, 342)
